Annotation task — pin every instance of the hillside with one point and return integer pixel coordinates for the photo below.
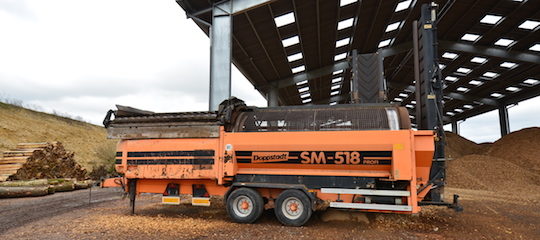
(88, 141)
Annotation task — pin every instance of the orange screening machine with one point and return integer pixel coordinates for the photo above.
(295, 159)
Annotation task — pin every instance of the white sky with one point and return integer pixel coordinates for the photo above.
(83, 57)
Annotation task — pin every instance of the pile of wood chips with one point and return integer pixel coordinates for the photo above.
(510, 164)
(458, 146)
(39, 161)
(521, 147)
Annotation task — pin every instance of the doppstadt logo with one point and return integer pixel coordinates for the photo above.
(262, 157)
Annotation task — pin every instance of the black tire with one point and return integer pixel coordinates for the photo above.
(297, 216)
(247, 196)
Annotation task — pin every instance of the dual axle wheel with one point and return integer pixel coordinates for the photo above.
(293, 207)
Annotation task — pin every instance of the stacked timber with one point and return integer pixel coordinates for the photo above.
(39, 161)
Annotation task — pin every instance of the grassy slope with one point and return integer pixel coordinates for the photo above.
(89, 142)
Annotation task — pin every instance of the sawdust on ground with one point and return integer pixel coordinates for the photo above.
(484, 218)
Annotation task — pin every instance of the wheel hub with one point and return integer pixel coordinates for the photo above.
(245, 205)
(292, 208)
(242, 206)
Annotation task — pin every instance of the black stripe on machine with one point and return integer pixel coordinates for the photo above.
(316, 182)
(326, 157)
(243, 153)
(194, 161)
(311, 182)
(196, 153)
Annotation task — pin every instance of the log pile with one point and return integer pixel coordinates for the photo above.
(38, 161)
(11, 192)
(40, 187)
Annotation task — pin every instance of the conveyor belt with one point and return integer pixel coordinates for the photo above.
(168, 118)
(131, 123)
(234, 116)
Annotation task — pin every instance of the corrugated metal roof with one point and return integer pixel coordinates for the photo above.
(500, 73)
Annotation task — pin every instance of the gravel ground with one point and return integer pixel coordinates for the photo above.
(68, 216)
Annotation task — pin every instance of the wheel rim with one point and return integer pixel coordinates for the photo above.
(292, 208)
(242, 206)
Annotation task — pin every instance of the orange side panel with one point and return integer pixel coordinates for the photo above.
(159, 186)
(395, 155)
(397, 142)
(112, 182)
(184, 166)
(424, 147)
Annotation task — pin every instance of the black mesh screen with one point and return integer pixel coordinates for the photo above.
(315, 119)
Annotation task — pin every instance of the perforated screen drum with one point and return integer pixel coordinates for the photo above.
(347, 118)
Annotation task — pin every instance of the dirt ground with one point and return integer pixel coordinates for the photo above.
(69, 216)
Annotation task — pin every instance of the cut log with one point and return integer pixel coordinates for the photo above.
(22, 153)
(63, 187)
(9, 192)
(14, 166)
(5, 174)
(30, 183)
(32, 145)
(83, 184)
(9, 160)
(57, 181)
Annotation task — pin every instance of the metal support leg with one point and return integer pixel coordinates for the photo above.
(132, 188)
(220, 55)
(273, 97)
(455, 128)
(503, 120)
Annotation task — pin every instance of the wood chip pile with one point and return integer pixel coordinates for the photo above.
(510, 164)
(38, 161)
(458, 146)
(520, 147)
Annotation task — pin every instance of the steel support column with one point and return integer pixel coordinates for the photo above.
(221, 46)
(455, 127)
(220, 55)
(503, 120)
(273, 97)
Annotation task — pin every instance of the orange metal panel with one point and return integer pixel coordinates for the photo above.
(159, 186)
(173, 171)
(112, 182)
(409, 155)
(424, 147)
(399, 142)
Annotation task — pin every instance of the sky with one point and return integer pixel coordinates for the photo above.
(83, 57)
